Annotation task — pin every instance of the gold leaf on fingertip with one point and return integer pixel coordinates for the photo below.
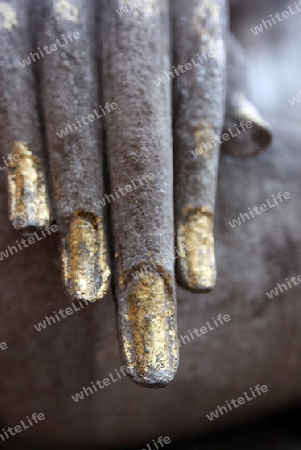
(84, 258)
(148, 331)
(27, 196)
(195, 237)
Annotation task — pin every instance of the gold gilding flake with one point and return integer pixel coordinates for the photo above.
(28, 202)
(64, 10)
(84, 258)
(196, 242)
(149, 331)
(205, 141)
(8, 17)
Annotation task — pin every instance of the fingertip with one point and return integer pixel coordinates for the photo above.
(196, 269)
(147, 330)
(27, 193)
(84, 256)
(255, 133)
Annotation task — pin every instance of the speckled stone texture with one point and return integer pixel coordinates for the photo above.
(261, 344)
(18, 86)
(139, 142)
(70, 90)
(199, 37)
(139, 136)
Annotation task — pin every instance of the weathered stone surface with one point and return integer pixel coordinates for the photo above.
(261, 344)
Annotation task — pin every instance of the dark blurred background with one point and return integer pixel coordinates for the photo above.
(274, 54)
(274, 73)
(274, 65)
